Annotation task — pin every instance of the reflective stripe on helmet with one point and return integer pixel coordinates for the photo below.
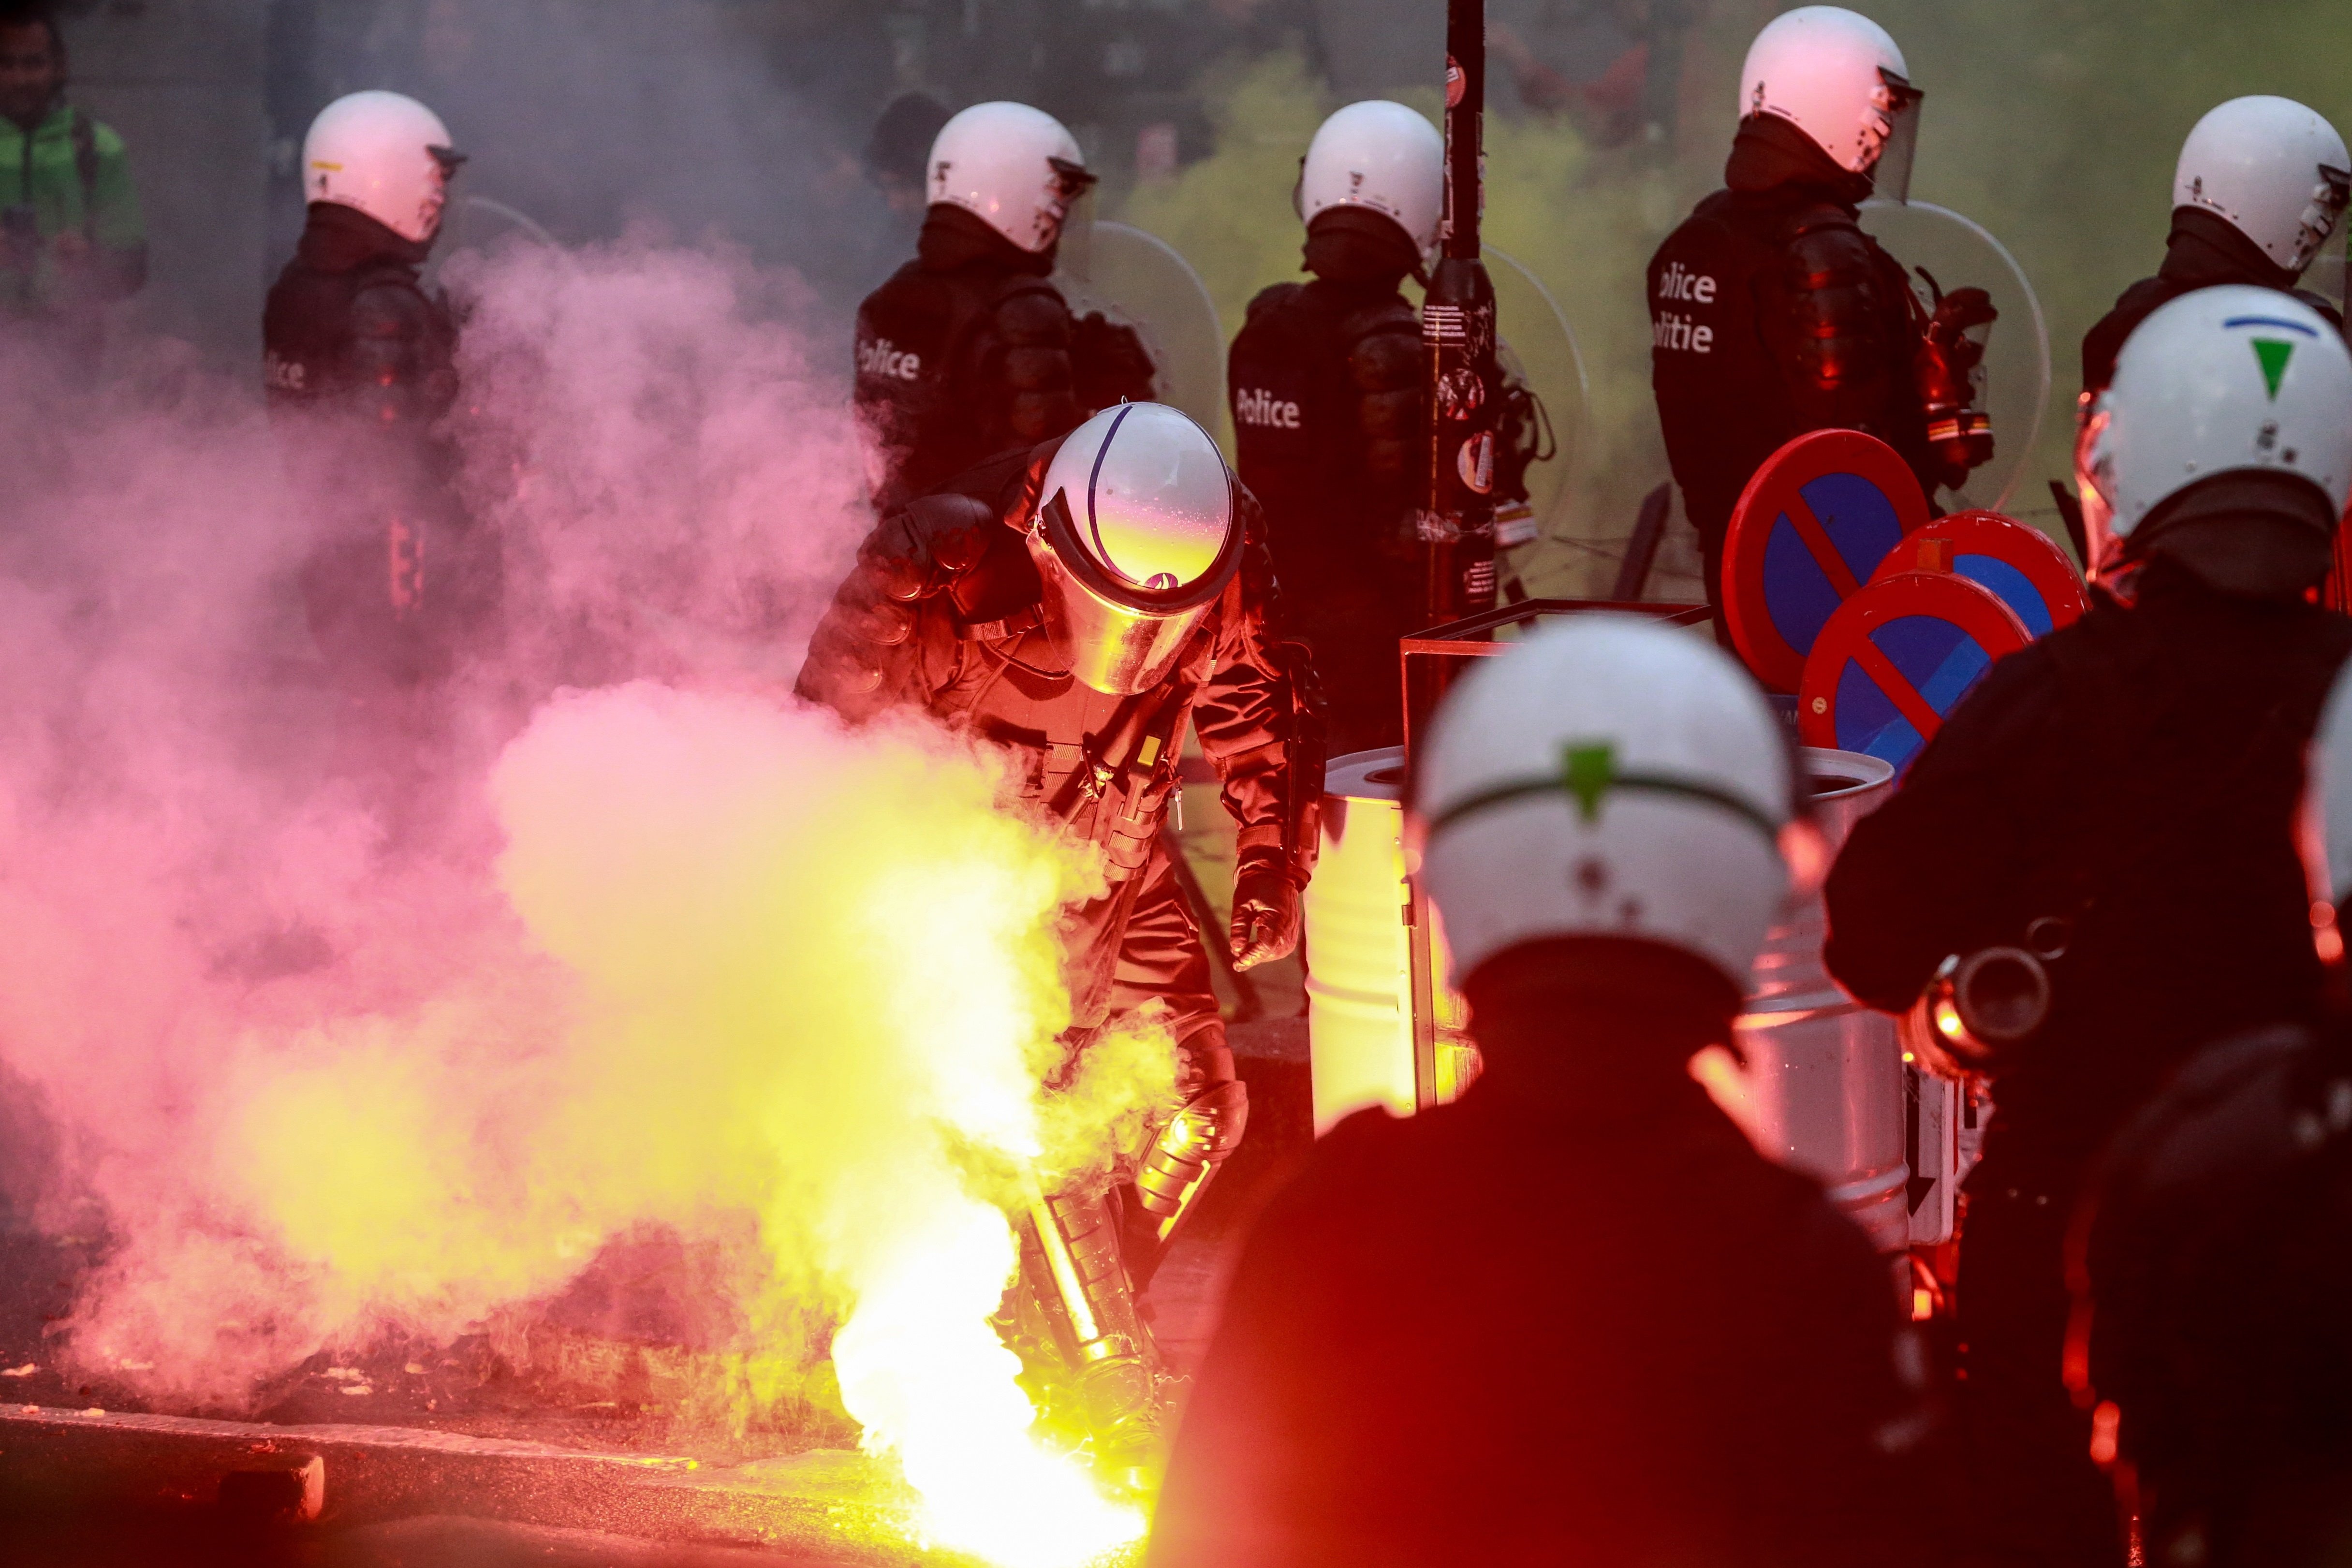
(1589, 773)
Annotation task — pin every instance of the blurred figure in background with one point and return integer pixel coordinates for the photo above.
(2215, 1263)
(1772, 313)
(360, 360)
(898, 152)
(1326, 383)
(1574, 1317)
(968, 349)
(74, 242)
(2112, 809)
(2261, 185)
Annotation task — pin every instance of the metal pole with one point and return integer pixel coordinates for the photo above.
(1457, 323)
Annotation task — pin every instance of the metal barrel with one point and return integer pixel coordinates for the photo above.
(1359, 953)
(1824, 1089)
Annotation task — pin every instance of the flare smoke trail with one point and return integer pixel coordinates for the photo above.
(674, 951)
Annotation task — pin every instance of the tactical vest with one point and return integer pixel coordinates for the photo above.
(923, 382)
(1724, 400)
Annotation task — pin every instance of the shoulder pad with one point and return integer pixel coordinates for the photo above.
(1818, 217)
(391, 306)
(1033, 316)
(1273, 296)
(1390, 318)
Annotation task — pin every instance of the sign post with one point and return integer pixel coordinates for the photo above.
(1456, 523)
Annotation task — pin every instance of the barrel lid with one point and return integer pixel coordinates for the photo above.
(1834, 774)
(1375, 775)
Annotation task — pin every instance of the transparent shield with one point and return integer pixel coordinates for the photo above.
(1959, 252)
(1139, 279)
(476, 224)
(1538, 347)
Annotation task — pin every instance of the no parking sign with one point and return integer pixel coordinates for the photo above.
(1812, 525)
(2018, 562)
(1897, 657)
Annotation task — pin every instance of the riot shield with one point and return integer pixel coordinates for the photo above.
(1139, 279)
(476, 224)
(1958, 253)
(1538, 347)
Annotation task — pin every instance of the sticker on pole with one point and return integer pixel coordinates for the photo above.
(1897, 658)
(2018, 561)
(1812, 525)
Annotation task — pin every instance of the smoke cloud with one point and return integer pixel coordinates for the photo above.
(664, 951)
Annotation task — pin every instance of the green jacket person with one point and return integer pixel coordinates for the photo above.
(70, 235)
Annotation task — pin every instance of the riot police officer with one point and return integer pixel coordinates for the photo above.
(1772, 313)
(2090, 869)
(1078, 605)
(359, 359)
(968, 349)
(2260, 186)
(1574, 1317)
(2209, 1321)
(1325, 380)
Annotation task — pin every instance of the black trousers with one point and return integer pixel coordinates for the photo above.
(2032, 1495)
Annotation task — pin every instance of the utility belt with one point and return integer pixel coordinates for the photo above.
(1111, 800)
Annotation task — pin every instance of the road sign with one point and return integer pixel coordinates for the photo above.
(2018, 561)
(1813, 524)
(1895, 660)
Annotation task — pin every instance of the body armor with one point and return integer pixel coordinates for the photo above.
(969, 350)
(944, 615)
(358, 360)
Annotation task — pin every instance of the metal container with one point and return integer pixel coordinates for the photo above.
(1825, 1087)
(1358, 948)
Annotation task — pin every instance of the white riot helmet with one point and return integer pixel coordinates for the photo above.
(2275, 171)
(1017, 167)
(1381, 156)
(385, 155)
(2234, 383)
(1836, 76)
(1135, 536)
(1609, 777)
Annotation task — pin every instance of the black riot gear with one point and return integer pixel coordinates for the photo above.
(946, 614)
(2203, 251)
(1772, 314)
(1326, 381)
(1576, 1216)
(969, 351)
(2134, 778)
(361, 376)
(2211, 1270)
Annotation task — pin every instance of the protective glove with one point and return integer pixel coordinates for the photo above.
(861, 649)
(1108, 364)
(1944, 371)
(1266, 911)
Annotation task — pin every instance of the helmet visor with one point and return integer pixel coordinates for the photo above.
(1897, 102)
(1116, 635)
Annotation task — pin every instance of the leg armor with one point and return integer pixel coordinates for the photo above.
(1188, 1151)
(1071, 1266)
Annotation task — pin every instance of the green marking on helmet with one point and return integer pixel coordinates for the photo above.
(2273, 353)
(1590, 768)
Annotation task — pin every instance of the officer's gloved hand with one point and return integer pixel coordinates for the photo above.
(1952, 348)
(862, 650)
(1108, 364)
(1266, 909)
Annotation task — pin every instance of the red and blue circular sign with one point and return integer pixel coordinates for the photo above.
(1813, 524)
(1896, 658)
(2018, 562)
